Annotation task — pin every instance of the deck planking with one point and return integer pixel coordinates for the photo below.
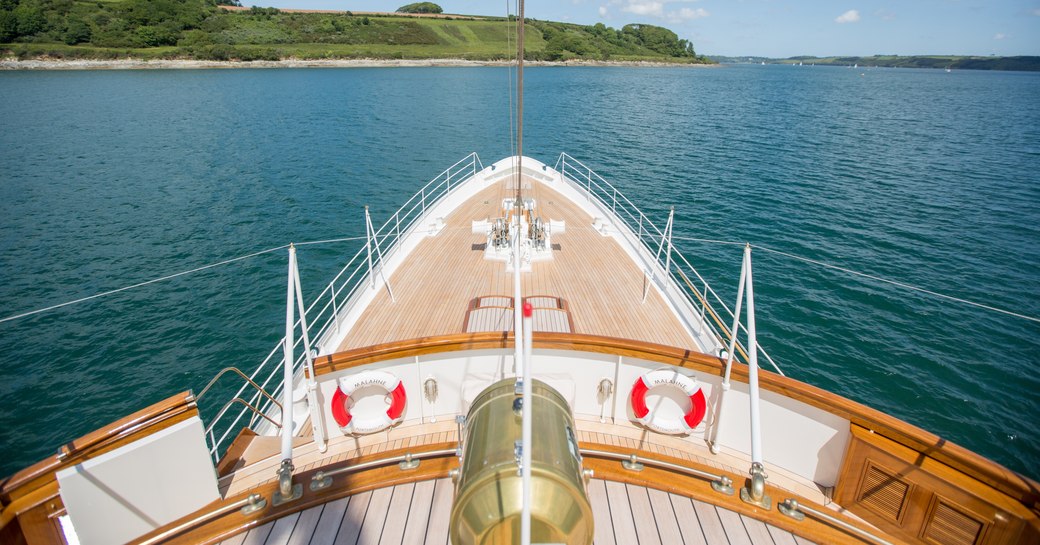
(434, 287)
(417, 513)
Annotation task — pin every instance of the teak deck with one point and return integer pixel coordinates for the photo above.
(417, 513)
(434, 288)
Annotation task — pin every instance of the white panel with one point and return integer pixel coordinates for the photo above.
(134, 489)
(796, 437)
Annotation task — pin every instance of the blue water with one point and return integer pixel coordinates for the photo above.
(109, 178)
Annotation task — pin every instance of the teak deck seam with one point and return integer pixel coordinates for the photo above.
(436, 285)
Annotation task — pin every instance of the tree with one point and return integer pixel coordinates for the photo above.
(77, 32)
(8, 26)
(30, 20)
(420, 7)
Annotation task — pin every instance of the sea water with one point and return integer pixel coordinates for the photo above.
(110, 178)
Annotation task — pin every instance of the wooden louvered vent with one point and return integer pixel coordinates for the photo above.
(949, 526)
(883, 493)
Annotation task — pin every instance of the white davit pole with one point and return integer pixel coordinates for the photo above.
(317, 420)
(525, 521)
(729, 355)
(287, 368)
(756, 429)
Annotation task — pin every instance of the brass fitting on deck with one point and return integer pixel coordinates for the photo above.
(756, 493)
(287, 491)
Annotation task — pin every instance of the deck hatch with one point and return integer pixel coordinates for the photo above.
(883, 493)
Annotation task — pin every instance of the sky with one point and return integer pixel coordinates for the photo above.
(781, 28)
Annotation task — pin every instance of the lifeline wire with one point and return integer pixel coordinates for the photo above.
(870, 276)
(900, 284)
(171, 276)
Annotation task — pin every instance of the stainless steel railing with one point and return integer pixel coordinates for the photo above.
(326, 313)
(651, 238)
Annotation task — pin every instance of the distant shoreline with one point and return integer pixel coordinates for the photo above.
(173, 64)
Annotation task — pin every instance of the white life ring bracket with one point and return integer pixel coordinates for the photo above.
(356, 424)
(673, 379)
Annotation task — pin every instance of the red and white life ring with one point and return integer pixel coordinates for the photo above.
(360, 424)
(664, 424)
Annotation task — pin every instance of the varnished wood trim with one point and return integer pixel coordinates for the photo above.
(235, 451)
(700, 489)
(235, 522)
(123, 431)
(995, 475)
(1003, 519)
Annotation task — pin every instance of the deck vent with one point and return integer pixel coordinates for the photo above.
(947, 525)
(883, 493)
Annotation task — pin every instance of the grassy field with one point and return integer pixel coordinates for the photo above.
(196, 29)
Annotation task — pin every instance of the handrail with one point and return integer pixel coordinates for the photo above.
(715, 478)
(908, 435)
(248, 501)
(241, 374)
(610, 197)
(322, 479)
(331, 305)
(256, 411)
(792, 508)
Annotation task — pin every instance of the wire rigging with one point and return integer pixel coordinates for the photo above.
(866, 275)
(170, 277)
(687, 239)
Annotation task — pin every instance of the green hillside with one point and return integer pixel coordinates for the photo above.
(200, 29)
(925, 61)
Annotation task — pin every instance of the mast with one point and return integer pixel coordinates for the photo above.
(519, 104)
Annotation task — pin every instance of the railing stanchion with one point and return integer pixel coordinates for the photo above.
(665, 236)
(704, 305)
(368, 247)
(335, 311)
(379, 258)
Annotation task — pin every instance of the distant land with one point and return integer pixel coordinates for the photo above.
(202, 30)
(953, 62)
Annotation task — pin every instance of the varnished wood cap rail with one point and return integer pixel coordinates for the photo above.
(224, 518)
(1020, 488)
(125, 430)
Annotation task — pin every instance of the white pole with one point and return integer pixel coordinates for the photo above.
(379, 257)
(666, 235)
(368, 246)
(756, 431)
(729, 353)
(525, 522)
(287, 367)
(317, 420)
(668, 232)
(517, 299)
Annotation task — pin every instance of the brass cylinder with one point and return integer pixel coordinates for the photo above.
(489, 490)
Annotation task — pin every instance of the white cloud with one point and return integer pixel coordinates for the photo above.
(645, 8)
(1036, 12)
(688, 14)
(885, 15)
(850, 16)
(656, 8)
(999, 36)
(603, 11)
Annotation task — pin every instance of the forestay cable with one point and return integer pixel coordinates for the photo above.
(169, 277)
